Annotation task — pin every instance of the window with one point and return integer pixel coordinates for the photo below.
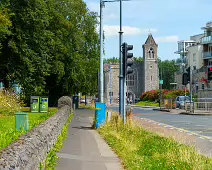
(194, 67)
(130, 81)
(194, 57)
(151, 78)
(151, 53)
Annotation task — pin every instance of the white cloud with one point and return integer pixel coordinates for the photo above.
(108, 13)
(93, 6)
(167, 39)
(112, 30)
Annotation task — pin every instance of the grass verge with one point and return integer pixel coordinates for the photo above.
(147, 103)
(140, 149)
(8, 132)
(52, 158)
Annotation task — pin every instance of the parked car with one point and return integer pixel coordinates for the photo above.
(181, 100)
(82, 100)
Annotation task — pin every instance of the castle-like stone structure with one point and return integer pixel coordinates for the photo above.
(145, 76)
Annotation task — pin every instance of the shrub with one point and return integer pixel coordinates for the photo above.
(154, 95)
(9, 103)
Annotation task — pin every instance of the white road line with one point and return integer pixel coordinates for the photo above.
(181, 130)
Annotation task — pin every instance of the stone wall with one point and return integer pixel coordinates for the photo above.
(32, 149)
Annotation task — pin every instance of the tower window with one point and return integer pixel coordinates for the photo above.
(151, 53)
(151, 78)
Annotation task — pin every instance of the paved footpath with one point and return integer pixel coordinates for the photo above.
(84, 149)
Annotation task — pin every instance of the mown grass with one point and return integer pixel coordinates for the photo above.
(8, 132)
(52, 158)
(147, 103)
(140, 149)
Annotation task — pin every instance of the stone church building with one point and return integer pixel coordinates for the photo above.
(145, 76)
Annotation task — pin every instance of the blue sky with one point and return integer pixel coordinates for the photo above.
(168, 20)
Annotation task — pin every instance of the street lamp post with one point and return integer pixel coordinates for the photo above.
(101, 54)
(121, 78)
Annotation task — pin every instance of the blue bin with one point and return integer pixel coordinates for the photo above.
(100, 114)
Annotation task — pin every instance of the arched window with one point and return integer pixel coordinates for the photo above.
(151, 53)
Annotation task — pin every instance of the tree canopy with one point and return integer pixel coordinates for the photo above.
(49, 47)
(167, 70)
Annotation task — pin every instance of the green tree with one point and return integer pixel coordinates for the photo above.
(113, 60)
(167, 69)
(139, 59)
(53, 48)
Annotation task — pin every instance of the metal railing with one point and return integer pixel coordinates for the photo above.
(206, 40)
(199, 105)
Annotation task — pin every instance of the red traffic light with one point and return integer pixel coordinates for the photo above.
(210, 68)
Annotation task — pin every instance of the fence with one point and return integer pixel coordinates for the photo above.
(199, 105)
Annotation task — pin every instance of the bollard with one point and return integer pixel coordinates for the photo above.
(74, 106)
(21, 121)
(109, 115)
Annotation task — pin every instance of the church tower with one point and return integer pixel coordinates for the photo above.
(151, 73)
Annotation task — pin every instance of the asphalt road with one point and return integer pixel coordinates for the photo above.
(201, 125)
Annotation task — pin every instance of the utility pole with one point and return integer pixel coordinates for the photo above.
(161, 78)
(101, 54)
(111, 84)
(190, 88)
(121, 76)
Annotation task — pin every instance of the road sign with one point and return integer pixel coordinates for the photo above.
(161, 81)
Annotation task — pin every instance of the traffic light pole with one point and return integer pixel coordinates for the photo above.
(121, 76)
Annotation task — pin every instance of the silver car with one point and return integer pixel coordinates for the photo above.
(180, 101)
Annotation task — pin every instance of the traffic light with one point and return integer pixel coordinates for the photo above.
(185, 79)
(188, 76)
(210, 73)
(127, 59)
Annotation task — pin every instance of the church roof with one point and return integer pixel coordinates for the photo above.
(150, 40)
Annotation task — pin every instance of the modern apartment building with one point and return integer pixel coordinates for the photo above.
(196, 53)
(206, 42)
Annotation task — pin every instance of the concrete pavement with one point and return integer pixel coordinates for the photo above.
(84, 149)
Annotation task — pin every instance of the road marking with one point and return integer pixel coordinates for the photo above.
(201, 125)
(207, 137)
(181, 130)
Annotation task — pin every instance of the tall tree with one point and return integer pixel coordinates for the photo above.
(53, 48)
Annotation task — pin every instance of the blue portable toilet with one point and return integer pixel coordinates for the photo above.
(100, 114)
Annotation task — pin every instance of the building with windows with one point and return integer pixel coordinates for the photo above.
(145, 76)
(198, 57)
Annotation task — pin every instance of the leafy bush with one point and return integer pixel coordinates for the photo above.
(154, 95)
(9, 103)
